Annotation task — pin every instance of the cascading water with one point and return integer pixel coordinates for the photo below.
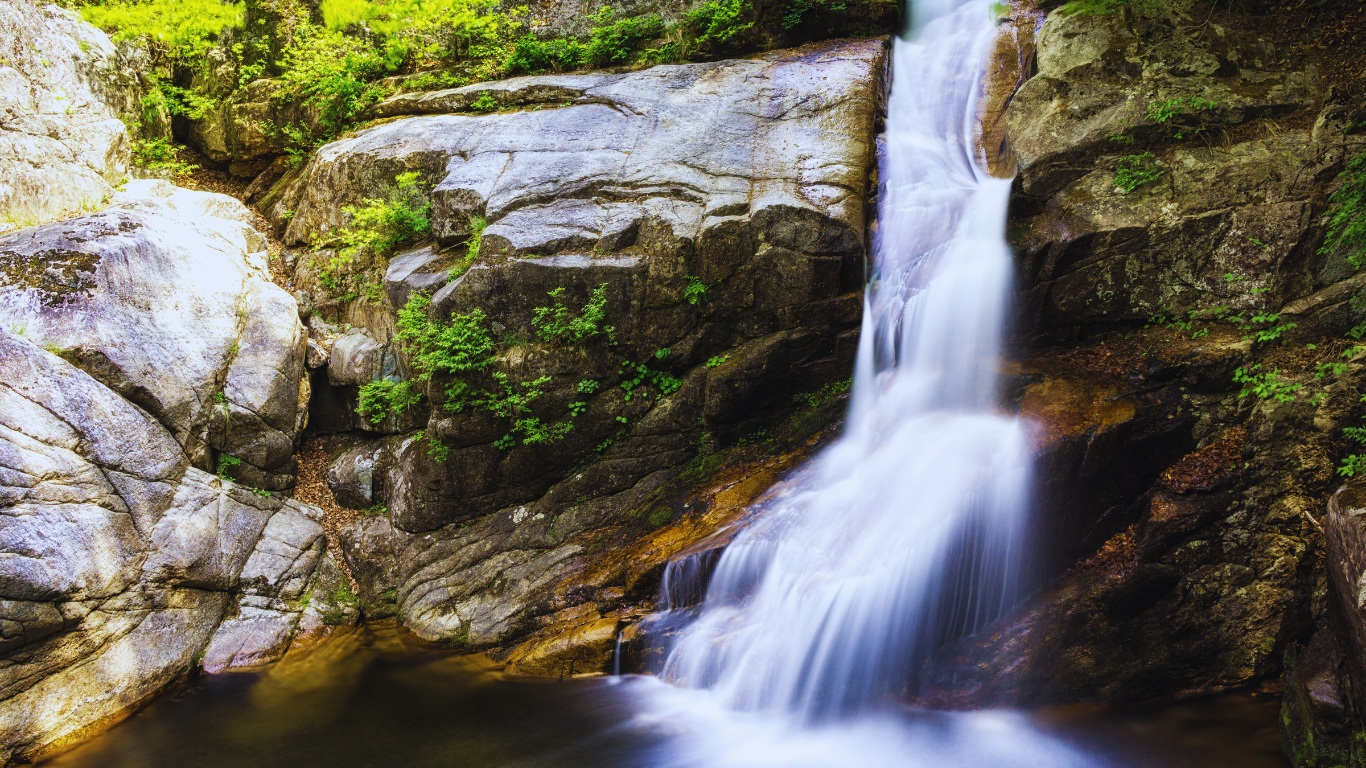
(911, 529)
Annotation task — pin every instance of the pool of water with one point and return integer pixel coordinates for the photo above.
(378, 698)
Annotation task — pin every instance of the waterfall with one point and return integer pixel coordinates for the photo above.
(910, 530)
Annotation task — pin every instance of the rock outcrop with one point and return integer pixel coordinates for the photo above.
(717, 211)
(63, 89)
(119, 561)
(165, 298)
(1188, 370)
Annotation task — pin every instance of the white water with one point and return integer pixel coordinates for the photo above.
(911, 529)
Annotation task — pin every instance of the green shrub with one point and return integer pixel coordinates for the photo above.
(1135, 171)
(461, 347)
(556, 323)
(184, 29)
(161, 155)
(616, 41)
(1347, 214)
(333, 73)
(1265, 386)
(227, 466)
(378, 227)
(1107, 7)
(695, 291)
(382, 399)
(717, 22)
(796, 11)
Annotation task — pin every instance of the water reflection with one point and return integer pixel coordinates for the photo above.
(379, 698)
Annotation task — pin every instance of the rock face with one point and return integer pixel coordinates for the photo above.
(1169, 246)
(165, 299)
(63, 88)
(720, 210)
(118, 560)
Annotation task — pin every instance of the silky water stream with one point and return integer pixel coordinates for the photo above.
(797, 649)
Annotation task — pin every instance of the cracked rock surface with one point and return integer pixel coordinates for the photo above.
(165, 299)
(119, 560)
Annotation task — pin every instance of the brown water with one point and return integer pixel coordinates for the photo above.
(375, 698)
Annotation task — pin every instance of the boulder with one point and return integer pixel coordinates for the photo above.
(747, 249)
(63, 88)
(118, 560)
(166, 299)
(1227, 206)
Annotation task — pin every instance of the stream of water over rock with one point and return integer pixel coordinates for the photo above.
(911, 529)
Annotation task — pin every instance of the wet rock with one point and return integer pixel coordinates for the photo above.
(1100, 255)
(165, 298)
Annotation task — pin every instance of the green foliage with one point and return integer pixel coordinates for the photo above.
(611, 41)
(588, 386)
(1267, 326)
(1135, 171)
(1352, 465)
(378, 227)
(695, 291)
(1191, 111)
(1347, 214)
(717, 22)
(184, 29)
(476, 240)
(1266, 385)
(382, 399)
(637, 375)
(1164, 110)
(825, 396)
(332, 73)
(716, 361)
(484, 102)
(226, 466)
(462, 346)
(555, 323)
(796, 11)
(616, 41)
(464, 350)
(161, 155)
(1109, 7)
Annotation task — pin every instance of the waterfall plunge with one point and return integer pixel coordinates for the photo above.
(910, 529)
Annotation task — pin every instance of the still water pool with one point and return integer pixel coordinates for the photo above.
(377, 698)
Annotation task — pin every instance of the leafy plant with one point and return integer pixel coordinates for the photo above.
(1108, 7)
(378, 227)
(718, 22)
(226, 466)
(184, 29)
(695, 291)
(716, 361)
(1267, 385)
(160, 154)
(476, 241)
(484, 102)
(382, 399)
(1347, 214)
(556, 323)
(797, 10)
(1135, 171)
